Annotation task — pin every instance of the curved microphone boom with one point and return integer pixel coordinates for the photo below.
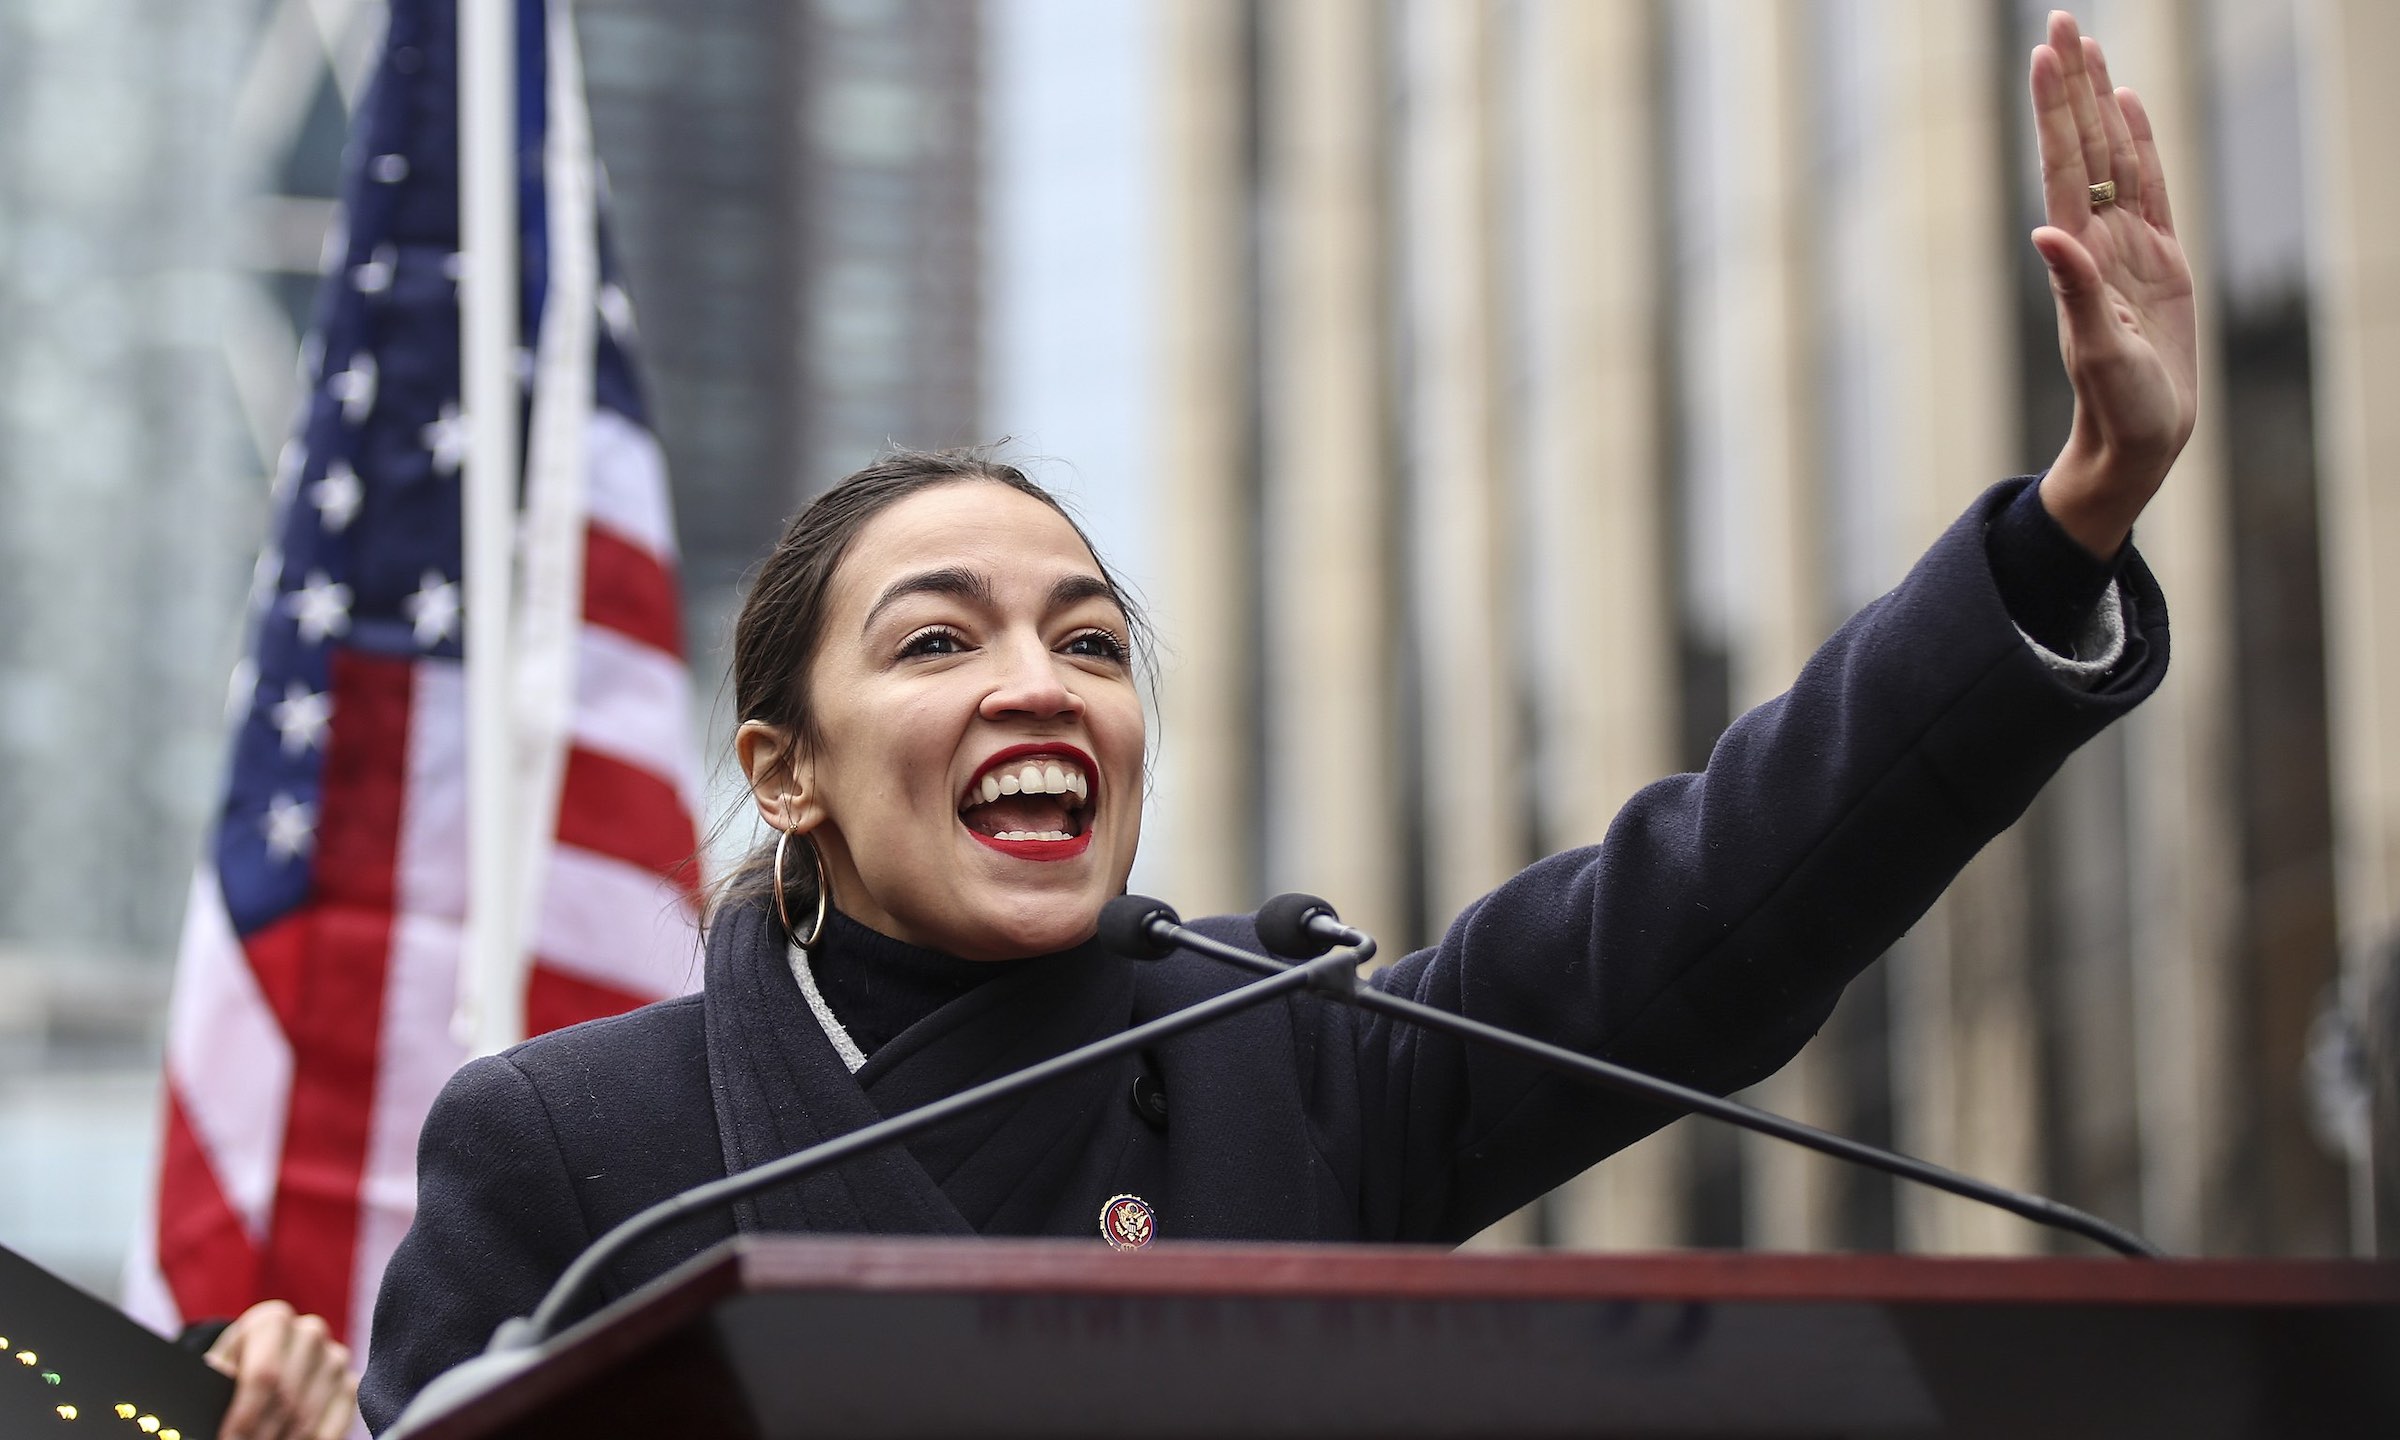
(1130, 924)
(1304, 926)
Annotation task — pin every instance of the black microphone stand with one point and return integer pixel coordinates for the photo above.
(1158, 924)
(548, 1317)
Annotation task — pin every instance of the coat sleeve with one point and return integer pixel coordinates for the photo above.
(1708, 935)
(497, 1220)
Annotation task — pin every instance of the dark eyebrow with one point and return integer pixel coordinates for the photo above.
(1075, 589)
(956, 581)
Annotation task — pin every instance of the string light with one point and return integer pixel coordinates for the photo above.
(66, 1412)
(149, 1424)
(125, 1411)
(26, 1357)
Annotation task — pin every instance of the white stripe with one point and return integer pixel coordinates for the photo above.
(416, 1054)
(431, 868)
(617, 924)
(629, 484)
(633, 703)
(228, 1058)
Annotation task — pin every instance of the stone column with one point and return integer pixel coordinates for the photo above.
(1332, 821)
(2352, 52)
(1604, 707)
(1964, 1040)
(1208, 758)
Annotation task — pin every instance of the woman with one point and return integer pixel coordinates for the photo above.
(940, 719)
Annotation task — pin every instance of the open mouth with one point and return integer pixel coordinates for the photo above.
(1032, 801)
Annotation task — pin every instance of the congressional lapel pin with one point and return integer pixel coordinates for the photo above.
(1127, 1223)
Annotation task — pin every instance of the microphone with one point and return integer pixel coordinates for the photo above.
(1138, 928)
(1125, 927)
(1305, 926)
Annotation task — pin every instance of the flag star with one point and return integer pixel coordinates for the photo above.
(454, 265)
(446, 437)
(301, 718)
(265, 576)
(389, 169)
(291, 826)
(312, 355)
(525, 366)
(355, 387)
(375, 276)
(433, 609)
(616, 311)
(321, 607)
(337, 496)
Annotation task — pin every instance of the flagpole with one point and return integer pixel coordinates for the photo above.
(491, 990)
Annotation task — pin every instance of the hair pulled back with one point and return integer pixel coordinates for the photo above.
(782, 622)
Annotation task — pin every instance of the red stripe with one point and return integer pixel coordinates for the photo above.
(338, 1017)
(278, 956)
(210, 1265)
(627, 589)
(554, 999)
(627, 813)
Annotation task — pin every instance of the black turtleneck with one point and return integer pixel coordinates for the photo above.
(878, 986)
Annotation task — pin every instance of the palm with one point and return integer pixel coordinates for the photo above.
(2124, 289)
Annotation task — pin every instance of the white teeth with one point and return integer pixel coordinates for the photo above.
(1037, 777)
(1033, 835)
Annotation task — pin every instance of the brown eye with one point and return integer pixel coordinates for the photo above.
(934, 640)
(1098, 645)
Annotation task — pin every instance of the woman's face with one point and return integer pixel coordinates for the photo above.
(975, 783)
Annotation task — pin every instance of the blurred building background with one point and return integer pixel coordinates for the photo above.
(1491, 396)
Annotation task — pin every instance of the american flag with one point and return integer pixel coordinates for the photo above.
(312, 1019)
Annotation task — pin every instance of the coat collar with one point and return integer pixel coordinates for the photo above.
(778, 1086)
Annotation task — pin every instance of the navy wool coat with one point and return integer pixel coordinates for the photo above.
(1705, 939)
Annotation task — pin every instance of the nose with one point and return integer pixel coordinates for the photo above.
(1032, 682)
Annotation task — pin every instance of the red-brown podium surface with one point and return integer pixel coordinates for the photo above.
(870, 1338)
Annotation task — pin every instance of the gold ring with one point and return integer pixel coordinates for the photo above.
(2104, 193)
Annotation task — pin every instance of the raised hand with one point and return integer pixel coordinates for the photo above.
(2124, 292)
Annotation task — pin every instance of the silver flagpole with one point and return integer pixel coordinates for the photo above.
(491, 981)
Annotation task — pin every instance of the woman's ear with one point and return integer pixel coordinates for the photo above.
(777, 770)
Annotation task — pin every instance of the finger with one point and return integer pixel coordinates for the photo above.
(310, 1375)
(257, 1385)
(2124, 163)
(2154, 175)
(341, 1409)
(2068, 42)
(2075, 280)
(2065, 201)
(251, 1351)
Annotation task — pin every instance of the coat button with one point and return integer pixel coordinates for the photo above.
(1150, 1099)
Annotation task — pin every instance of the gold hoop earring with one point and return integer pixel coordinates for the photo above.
(783, 906)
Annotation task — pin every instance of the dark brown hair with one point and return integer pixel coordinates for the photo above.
(782, 622)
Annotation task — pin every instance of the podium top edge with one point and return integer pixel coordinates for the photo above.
(1197, 1269)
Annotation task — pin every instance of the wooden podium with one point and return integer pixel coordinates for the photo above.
(871, 1338)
